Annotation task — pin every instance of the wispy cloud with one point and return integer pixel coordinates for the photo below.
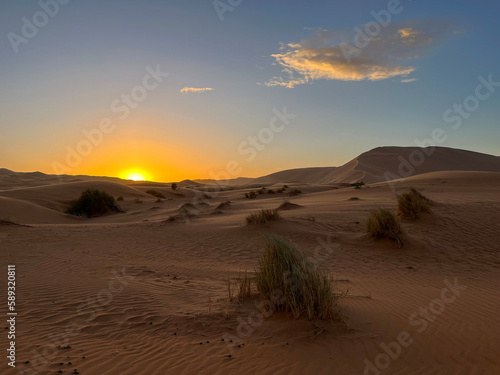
(198, 90)
(347, 56)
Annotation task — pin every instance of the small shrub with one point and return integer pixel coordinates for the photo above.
(251, 195)
(120, 198)
(137, 200)
(271, 191)
(174, 186)
(384, 224)
(303, 288)
(263, 216)
(294, 192)
(93, 202)
(311, 218)
(357, 185)
(155, 193)
(285, 187)
(412, 204)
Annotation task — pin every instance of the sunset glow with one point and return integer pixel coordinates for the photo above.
(134, 176)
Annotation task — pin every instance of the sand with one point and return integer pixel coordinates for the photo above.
(132, 293)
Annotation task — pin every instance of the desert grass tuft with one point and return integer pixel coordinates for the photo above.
(289, 281)
(294, 192)
(251, 195)
(244, 286)
(263, 216)
(384, 224)
(412, 204)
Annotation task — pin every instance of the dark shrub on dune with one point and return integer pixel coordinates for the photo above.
(93, 203)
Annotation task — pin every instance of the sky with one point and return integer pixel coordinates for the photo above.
(170, 90)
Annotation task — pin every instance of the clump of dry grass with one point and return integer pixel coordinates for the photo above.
(244, 286)
(251, 195)
(263, 216)
(294, 192)
(412, 204)
(384, 224)
(290, 281)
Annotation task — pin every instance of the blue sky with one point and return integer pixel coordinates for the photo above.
(64, 79)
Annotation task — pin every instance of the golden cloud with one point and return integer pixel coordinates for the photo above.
(375, 53)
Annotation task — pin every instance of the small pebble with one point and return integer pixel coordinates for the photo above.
(150, 322)
(69, 363)
(222, 340)
(27, 362)
(208, 342)
(175, 333)
(229, 355)
(83, 357)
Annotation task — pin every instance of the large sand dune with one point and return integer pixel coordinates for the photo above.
(387, 163)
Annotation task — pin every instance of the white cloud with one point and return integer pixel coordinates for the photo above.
(372, 54)
(186, 90)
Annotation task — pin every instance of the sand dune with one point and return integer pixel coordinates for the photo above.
(387, 163)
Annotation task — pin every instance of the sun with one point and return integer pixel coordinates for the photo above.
(135, 175)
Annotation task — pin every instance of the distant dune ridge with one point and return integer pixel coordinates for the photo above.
(388, 163)
(377, 165)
